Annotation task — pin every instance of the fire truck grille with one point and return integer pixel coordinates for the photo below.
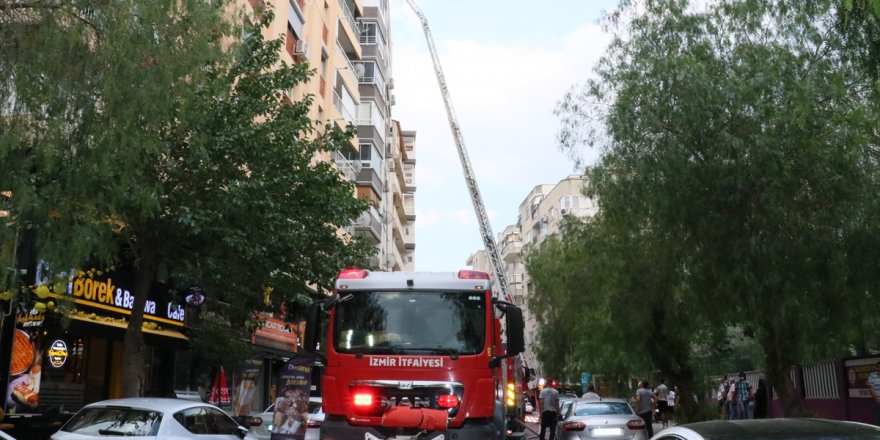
(412, 394)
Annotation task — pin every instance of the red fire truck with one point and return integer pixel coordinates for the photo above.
(415, 355)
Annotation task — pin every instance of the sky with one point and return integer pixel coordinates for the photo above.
(507, 64)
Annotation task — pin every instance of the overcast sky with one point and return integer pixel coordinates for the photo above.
(507, 64)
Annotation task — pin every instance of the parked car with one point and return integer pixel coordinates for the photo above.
(771, 429)
(156, 418)
(604, 418)
(313, 426)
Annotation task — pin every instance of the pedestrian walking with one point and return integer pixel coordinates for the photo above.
(662, 395)
(761, 400)
(645, 406)
(731, 400)
(873, 383)
(751, 403)
(742, 396)
(549, 399)
(671, 403)
(722, 397)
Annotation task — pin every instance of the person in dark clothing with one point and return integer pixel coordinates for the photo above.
(761, 400)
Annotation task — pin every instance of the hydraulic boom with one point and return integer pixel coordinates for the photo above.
(476, 198)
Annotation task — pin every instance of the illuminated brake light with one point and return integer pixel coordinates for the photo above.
(447, 401)
(353, 274)
(574, 426)
(472, 275)
(363, 400)
(635, 424)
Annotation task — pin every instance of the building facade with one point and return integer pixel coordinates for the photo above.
(348, 43)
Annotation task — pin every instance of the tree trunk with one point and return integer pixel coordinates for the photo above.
(133, 357)
(671, 356)
(779, 380)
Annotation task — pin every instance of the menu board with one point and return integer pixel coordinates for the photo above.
(25, 366)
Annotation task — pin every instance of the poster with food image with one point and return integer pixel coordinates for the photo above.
(246, 386)
(25, 365)
(292, 405)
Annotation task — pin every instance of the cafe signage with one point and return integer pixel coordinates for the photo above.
(58, 353)
(111, 291)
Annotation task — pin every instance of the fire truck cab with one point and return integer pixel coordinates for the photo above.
(415, 355)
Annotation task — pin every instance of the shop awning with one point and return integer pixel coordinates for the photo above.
(159, 332)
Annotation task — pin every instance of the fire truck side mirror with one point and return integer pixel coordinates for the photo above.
(516, 341)
(313, 328)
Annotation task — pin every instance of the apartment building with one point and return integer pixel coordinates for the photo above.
(348, 44)
(540, 214)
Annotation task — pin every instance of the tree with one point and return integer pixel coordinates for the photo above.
(743, 136)
(144, 133)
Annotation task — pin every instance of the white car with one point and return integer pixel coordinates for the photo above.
(313, 426)
(152, 418)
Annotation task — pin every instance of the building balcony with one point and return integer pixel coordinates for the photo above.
(369, 226)
(409, 207)
(511, 251)
(368, 176)
(349, 34)
(348, 168)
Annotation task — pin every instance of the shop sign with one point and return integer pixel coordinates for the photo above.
(58, 353)
(110, 291)
(275, 333)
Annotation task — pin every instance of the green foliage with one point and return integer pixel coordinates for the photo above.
(737, 182)
(146, 132)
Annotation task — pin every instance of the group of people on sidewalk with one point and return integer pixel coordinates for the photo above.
(738, 400)
(661, 401)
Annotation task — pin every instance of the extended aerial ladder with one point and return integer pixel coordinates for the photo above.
(476, 198)
(470, 180)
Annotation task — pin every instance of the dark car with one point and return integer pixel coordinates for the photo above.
(771, 429)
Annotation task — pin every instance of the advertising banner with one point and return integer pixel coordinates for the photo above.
(246, 386)
(292, 404)
(860, 374)
(25, 367)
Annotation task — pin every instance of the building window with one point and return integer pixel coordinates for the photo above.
(368, 32)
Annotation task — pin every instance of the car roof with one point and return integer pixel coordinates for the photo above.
(600, 400)
(784, 428)
(153, 403)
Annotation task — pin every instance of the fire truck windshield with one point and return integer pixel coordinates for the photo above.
(411, 322)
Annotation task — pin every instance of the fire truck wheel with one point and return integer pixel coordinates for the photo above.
(500, 425)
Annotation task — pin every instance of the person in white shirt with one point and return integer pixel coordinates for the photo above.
(591, 393)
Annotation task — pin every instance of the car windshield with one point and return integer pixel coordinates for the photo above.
(601, 408)
(411, 322)
(115, 421)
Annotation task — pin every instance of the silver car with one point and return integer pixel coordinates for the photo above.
(771, 429)
(609, 419)
(151, 418)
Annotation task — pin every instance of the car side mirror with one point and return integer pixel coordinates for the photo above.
(313, 328)
(241, 431)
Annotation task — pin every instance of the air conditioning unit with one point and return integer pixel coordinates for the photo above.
(392, 100)
(390, 83)
(301, 48)
(563, 211)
